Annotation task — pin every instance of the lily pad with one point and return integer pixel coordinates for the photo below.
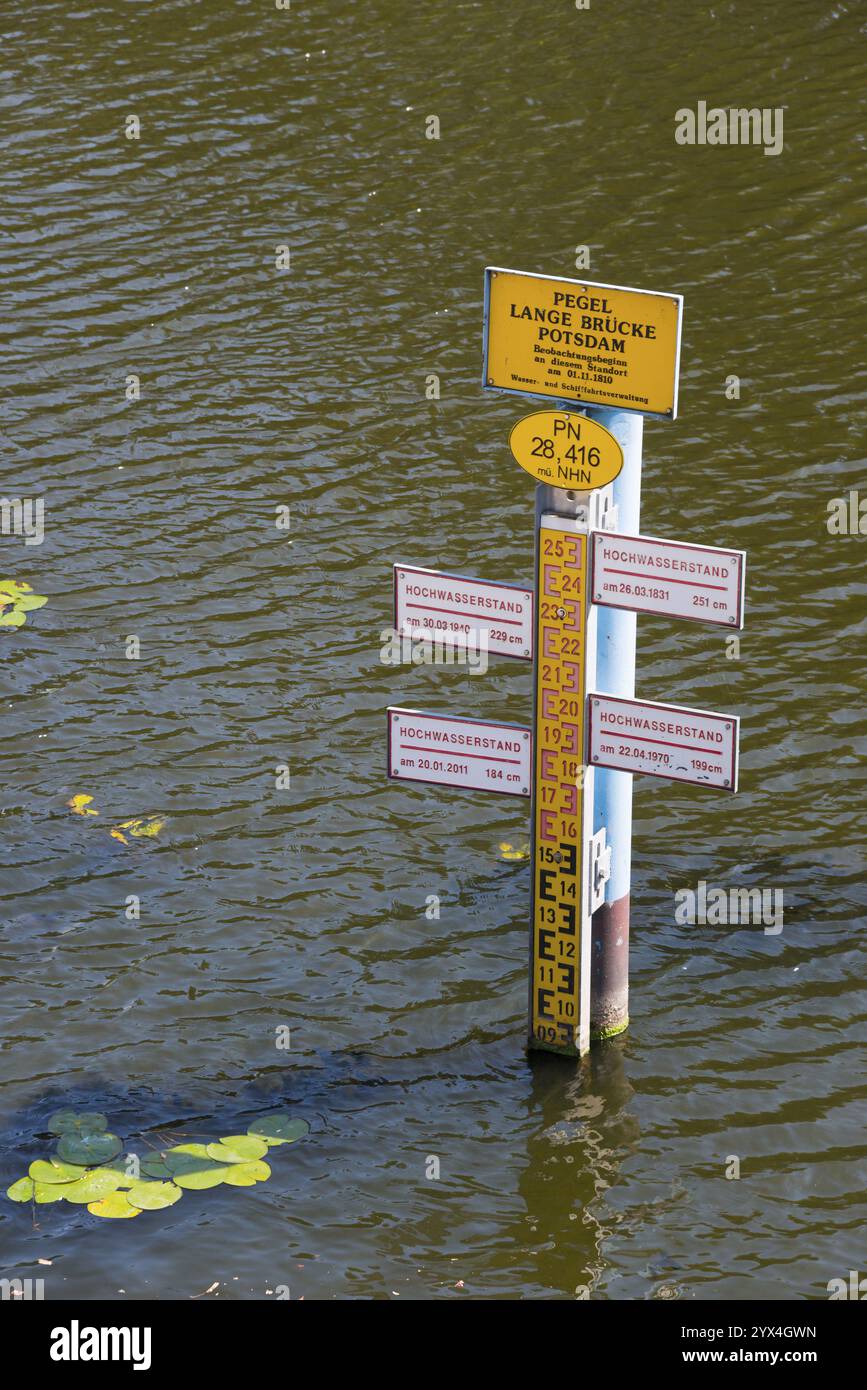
(238, 1148)
(114, 1205)
(279, 1129)
(63, 1122)
(14, 618)
(49, 1191)
(192, 1161)
(246, 1174)
(53, 1171)
(155, 1168)
(70, 1122)
(181, 1154)
(93, 1186)
(153, 1196)
(20, 1191)
(89, 1148)
(197, 1179)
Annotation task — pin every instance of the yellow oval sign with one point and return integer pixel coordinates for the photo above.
(565, 449)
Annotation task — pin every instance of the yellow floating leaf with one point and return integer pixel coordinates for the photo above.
(16, 601)
(81, 805)
(509, 852)
(143, 825)
(118, 835)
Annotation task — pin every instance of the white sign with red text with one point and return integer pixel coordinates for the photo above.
(456, 752)
(449, 606)
(687, 745)
(649, 575)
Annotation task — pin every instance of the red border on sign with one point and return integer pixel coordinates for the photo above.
(457, 719)
(738, 556)
(670, 709)
(467, 579)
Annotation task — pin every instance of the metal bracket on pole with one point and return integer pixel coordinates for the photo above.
(603, 509)
(598, 868)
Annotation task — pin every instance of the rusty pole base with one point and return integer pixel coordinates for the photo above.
(609, 970)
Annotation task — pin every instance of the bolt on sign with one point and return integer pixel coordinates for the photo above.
(648, 575)
(455, 752)
(687, 745)
(560, 932)
(565, 449)
(428, 603)
(602, 345)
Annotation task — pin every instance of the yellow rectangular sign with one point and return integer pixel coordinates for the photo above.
(559, 993)
(572, 340)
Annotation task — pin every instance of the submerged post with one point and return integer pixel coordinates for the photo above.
(612, 803)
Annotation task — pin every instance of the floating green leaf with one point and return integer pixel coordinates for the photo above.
(238, 1148)
(94, 1185)
(54, 1171)
(124, 1179)
(89, 1167)
(180, 1154)
(279, 1129)
(197, 1179)
(49, 1191)
(63, 1122)
(20, 1191)
(153, 1196)
(246, 1174)
(91, 1122)
(16, 601)
(155, 1168)
(89, 1148)
(193, 1162)
(69, 1122)
(114, 1205)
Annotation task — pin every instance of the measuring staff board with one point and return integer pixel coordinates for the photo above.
(559, 949)
(686, 745)
(576, 340)
(464, 612)
(455, 752)
(648, 575)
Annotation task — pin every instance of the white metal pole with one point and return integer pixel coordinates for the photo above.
(612, 809)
